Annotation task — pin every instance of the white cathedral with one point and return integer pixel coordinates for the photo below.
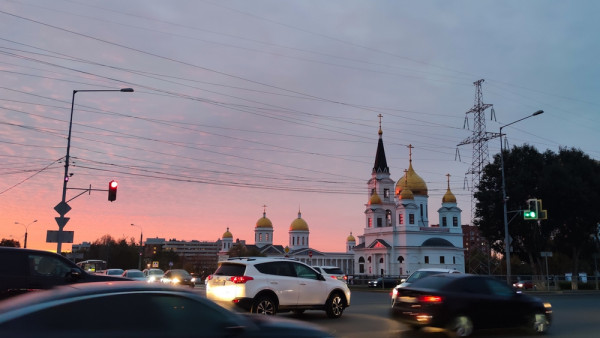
(397, 238)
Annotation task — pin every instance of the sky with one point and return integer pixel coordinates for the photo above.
(245, 106)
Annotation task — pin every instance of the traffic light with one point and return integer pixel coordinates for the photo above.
(112, 190)
(532, 210)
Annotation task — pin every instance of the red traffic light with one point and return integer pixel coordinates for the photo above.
(112, 190)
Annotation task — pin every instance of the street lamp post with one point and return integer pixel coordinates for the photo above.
(141, 245)
(62, 222)
(506, 235)
(26, 226)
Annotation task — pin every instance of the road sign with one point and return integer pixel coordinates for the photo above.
(62, 208)
(546, 254)
(61, 221)
(52, 236)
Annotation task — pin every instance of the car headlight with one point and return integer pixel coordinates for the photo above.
(175, 281)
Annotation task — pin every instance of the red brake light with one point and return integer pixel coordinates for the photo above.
(241, 279)
(430, 299)
(209, 277)
(334, 277)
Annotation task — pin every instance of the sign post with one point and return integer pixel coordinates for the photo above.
(546, 254)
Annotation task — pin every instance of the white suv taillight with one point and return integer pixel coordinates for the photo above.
(240, 279)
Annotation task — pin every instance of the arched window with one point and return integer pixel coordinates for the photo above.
(400, 259)
(381, 260)
(260, 237)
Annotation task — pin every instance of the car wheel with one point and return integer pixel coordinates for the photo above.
(461, 326)
(334, 306)
(539, 323)
(264, 305)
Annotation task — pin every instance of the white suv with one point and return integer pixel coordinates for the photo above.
(269, 285)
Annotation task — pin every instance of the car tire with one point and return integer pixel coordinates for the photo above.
(461, 326)
(264, 305)
(539, 323)
(334, 306)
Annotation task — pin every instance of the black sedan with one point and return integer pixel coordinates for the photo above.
(179, 277)
(133, 309)
(462, 303)
(383, 282)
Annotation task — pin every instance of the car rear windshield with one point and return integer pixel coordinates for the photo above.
(334, 271)
(230, 269)
(434, 282)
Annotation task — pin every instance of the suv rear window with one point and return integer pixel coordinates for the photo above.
(334, 271)
(230, 269)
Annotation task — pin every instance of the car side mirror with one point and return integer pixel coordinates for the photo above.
(74, 275)
(403, 280)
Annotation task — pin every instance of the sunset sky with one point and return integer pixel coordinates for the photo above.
(244, 103)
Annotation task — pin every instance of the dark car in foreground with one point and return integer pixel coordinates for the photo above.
(462, 303)
(133, 309)
(24, 270)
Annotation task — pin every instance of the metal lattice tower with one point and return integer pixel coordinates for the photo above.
(479, 139)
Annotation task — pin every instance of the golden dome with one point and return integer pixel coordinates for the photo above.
(415, 183)
(406, 194)
(299, 224)
(375, 199)
(350, 238)
(264, 222)
(449, 196)
(227, 234)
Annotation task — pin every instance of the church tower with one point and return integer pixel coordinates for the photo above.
(226, 241)
(298, 233)
(449, 212)
(263, 232)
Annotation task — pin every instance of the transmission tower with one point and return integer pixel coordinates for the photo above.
(479, 140)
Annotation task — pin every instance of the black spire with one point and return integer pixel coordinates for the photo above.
(380, 161)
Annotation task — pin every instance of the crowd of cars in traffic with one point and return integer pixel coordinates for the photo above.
(247, 289)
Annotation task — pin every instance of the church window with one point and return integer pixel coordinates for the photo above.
(388, 218)
(453, 260)
(411, 218)
(260, 237)
(442, 260)
(370, 225)
(267, 237)
(361, 267)
(386, 193)
(379, 222)
(426, 259)
(421, 210)
(302, 240)
(372, 191)
(444, 223)
(400, 219)
(400, 259)
(455, 221)
(381, 260)
(293, 240)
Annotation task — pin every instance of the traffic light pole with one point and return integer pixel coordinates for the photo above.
(504, 199)
(62, 221)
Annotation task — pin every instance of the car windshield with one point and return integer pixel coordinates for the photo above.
(434, 283)
(114, 272)
(155, 273)
(420, 274)
(334, 271)
(135, 274)
(230, 269)
(181, 273)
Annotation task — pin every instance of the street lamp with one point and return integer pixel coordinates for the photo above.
(141, 244)
(62, 222)
(26, 226)
(506, 236)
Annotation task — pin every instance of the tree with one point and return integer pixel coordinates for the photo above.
(568, 183)
(10, 243)
(240, 250)
(117, 254)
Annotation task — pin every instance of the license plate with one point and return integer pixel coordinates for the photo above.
(406, 299)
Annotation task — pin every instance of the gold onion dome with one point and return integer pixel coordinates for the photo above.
(264, 222)
(227, 234)
(299, 224)
(351, 238)
(449, 196)
(415, 183)
(375, 199)
(406, 194)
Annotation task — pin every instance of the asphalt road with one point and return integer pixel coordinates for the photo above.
(576, 314)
